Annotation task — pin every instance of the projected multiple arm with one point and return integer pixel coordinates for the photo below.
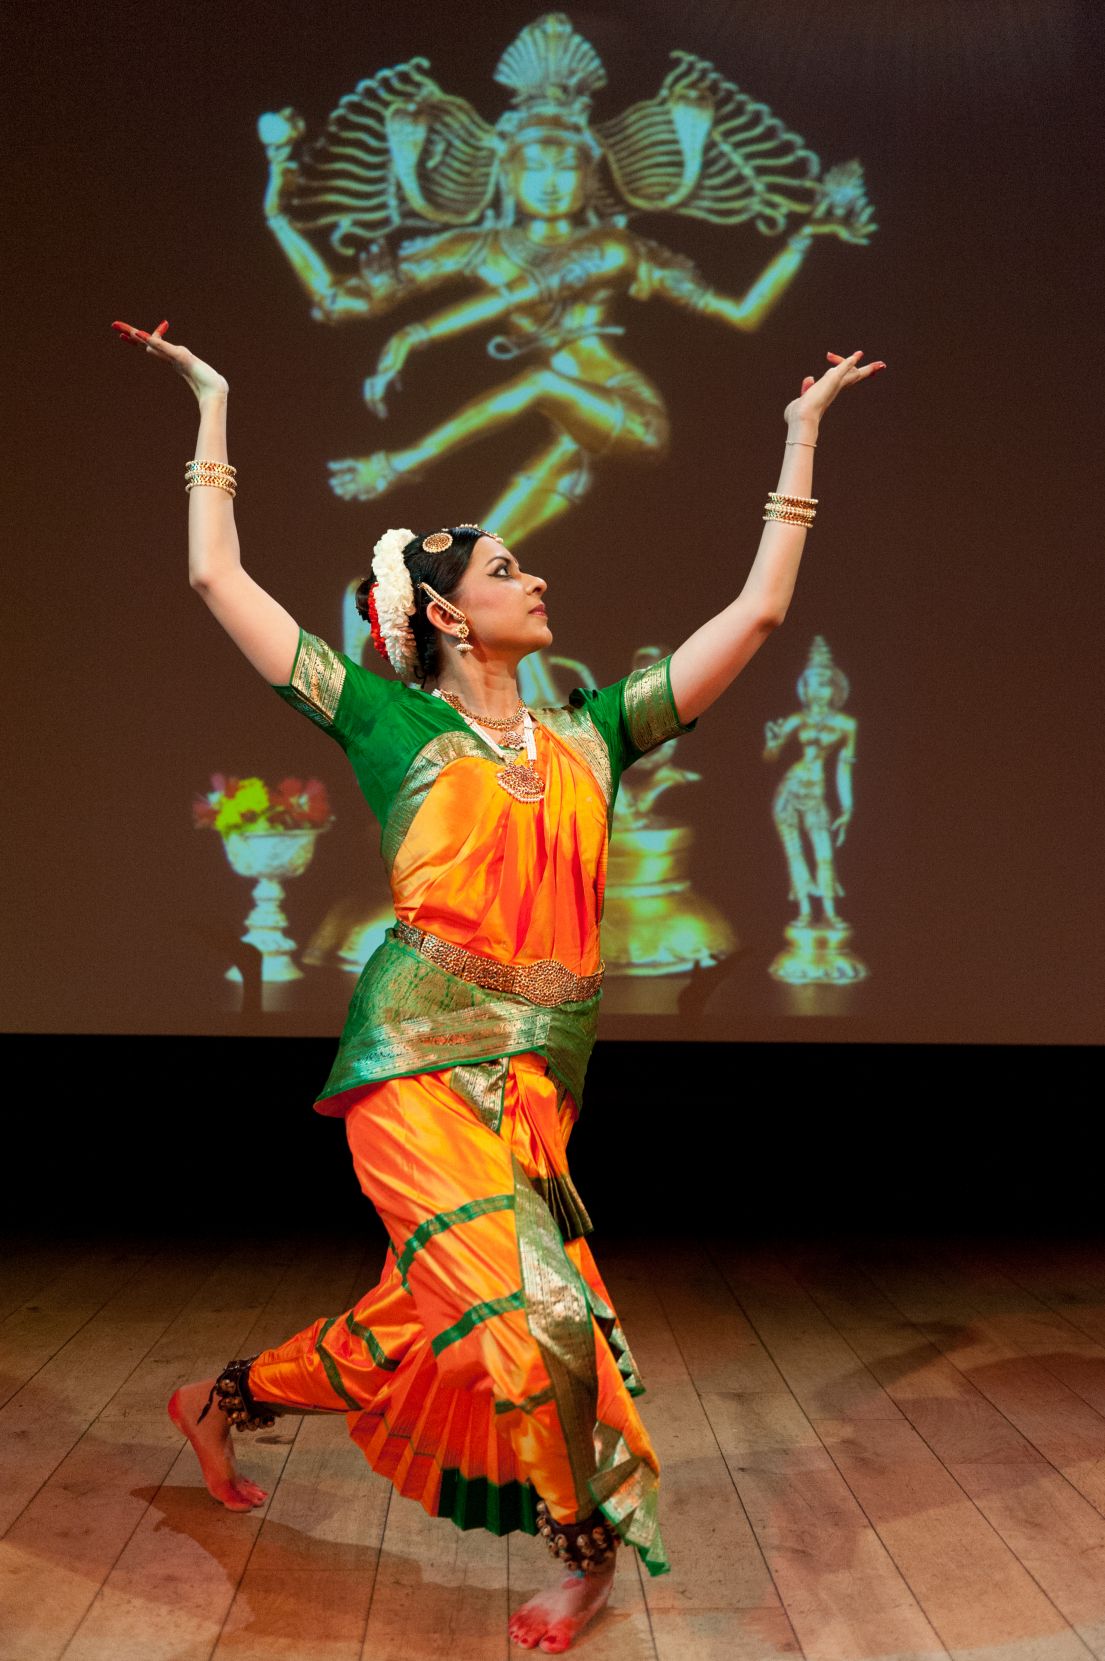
(383, 280)
(266, 633)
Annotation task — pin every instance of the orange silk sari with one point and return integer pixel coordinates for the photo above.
(487, 1368)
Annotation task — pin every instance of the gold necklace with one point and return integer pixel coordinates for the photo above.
(518, 778)
(485, 720)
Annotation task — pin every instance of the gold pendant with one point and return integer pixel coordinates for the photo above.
(524, 783)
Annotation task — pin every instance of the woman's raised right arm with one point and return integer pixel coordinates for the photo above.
(259, 625)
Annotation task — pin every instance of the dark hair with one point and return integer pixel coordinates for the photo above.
(444, 572)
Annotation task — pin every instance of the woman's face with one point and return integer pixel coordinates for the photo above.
(504, 604)
(547, 179)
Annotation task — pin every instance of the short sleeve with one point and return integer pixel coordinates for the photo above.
(334, 692)
(634, 715)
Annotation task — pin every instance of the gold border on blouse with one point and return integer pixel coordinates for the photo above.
(318, 678)
(649, 706)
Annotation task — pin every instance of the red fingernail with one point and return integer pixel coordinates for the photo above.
(161, 327)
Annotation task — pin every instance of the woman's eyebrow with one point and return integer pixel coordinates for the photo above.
(502, 554)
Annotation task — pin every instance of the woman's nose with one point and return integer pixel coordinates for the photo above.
(538, 585)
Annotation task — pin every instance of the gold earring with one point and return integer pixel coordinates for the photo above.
(454, 611)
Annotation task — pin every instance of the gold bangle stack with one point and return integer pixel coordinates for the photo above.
(790, 510)
(218, 474)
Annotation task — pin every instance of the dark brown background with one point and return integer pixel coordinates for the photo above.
(954, 568)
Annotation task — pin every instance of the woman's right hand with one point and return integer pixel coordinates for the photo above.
(204, 381)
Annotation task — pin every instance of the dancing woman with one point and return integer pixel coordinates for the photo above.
(486, 1373)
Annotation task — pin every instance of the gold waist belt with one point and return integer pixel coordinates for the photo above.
(547, 982)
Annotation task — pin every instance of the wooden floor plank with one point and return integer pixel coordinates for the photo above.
(1067, 1279)
(848, 1469)
(841, 1591)
(440, 1591)
(1053, 1531)
(971, 1587)
(51, 1412)
(36, 1329)
(720, 1602)
(1039, 1330)
(308, 1584)
(57, 1555)
(173, 1584)
(27, 1267)
(1064, 1428)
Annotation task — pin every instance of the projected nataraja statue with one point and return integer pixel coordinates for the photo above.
(529, 218)
(817, 950)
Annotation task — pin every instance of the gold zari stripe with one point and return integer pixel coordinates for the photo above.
(560, 1321)
(482, 1085)
(546, 982)
(318, 676)
(649, 707)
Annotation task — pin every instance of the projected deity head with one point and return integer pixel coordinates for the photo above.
(547, 150)
(821, 685)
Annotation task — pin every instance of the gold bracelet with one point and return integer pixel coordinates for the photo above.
(773, 496)
(782, 517)
(211, 484)
(210, 466)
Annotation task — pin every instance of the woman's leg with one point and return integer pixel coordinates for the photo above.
(486, 1361)
(506, 1308)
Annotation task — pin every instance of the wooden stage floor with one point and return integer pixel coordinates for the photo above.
(886, 1450)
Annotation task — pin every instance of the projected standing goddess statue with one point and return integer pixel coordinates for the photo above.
(816, 951)
(531, 216)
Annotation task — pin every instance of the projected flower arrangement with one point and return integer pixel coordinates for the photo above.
(269, 834)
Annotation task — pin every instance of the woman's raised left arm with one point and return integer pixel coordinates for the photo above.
(714, 655)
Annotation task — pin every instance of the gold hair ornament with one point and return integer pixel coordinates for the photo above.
(437, 543)
(494, 535)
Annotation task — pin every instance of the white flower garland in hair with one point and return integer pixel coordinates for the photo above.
(395, 602)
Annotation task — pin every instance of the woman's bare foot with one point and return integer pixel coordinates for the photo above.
(211, 1440)
(552, 1619)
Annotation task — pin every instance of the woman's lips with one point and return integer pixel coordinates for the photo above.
(538, 611)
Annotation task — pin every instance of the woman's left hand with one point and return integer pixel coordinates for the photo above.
(816, 396)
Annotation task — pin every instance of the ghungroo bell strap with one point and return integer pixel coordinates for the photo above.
(231, 1391)
(587, 1546)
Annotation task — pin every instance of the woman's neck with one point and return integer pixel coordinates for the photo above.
(485, 688)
